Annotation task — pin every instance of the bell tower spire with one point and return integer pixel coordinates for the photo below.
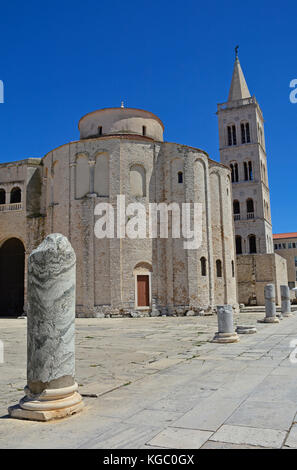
(238, 89)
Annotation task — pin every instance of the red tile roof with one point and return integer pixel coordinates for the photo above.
(277, 236)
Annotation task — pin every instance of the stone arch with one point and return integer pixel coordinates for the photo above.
(101, 175)
(12, 273)
(143, 284)
(252, 244)
(15, 195)
(2, 196)
(82, 183)
(137, 180)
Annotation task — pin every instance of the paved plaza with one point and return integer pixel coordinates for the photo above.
(159, 383)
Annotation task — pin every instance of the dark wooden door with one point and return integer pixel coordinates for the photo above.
(143, 291)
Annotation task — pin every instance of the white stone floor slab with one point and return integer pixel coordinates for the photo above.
(174, 438)
(270, 438)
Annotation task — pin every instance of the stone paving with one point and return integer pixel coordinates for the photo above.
(159, 383)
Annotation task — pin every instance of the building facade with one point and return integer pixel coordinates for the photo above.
(242, 148)
(120, 152)
(285, 244)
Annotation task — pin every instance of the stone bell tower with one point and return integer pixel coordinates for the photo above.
(242, 148)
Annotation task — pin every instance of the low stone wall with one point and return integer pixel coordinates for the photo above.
(254, 272)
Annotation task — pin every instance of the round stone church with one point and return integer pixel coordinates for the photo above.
(121, 152)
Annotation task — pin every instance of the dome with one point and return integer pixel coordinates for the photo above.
(121, 121)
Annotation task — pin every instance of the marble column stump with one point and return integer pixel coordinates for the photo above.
(286, 304)
(226, 333)
(270, 309)
(51, 390)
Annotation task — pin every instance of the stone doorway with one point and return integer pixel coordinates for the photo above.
(12, 270)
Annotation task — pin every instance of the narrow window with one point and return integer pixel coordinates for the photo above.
(229, 135)
(247, 130)
(100, 130)
(232, 172)
(2, 196)
(203, 266)
(180, 176)
(242, 133)
(219, 267)
(246, 177)
(232, 266)
(238, 244)
(252, 243)
(236, 172)
(234, 135)
(250, 171)
(236, 207)
(143, 130)
(249, 205)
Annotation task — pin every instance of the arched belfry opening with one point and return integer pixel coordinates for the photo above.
(12, 268)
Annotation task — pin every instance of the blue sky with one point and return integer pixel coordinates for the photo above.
(60, 60)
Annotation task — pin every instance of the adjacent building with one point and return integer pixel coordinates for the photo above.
(285, 244)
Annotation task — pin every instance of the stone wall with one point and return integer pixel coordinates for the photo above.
(254, 272)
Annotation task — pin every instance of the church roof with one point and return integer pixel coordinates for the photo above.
(238, 89)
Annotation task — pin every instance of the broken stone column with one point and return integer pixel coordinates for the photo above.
(51, 390)
(270, 309)
(246, 329)
(286, 304)
(226, 333)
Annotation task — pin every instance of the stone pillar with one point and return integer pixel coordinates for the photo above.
(270, 309)
(286, 304)
(226, 332)
(51, 390)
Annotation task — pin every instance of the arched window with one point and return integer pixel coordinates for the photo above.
(2, 196)
(232, 268)
(231, 131)
(246, 175)
(252, 244)
(250, 171)
(15, 195)
(99, 130)
(219, 267)
(236, 207)
(245, 133)
(236, 172)
(180, 177)
(232, 172)
(238, 244)
(250, 208)
(236, 210)
(203, 266)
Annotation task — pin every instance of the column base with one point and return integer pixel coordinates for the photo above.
(48, 405)
(269, 320)
(225, 338)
